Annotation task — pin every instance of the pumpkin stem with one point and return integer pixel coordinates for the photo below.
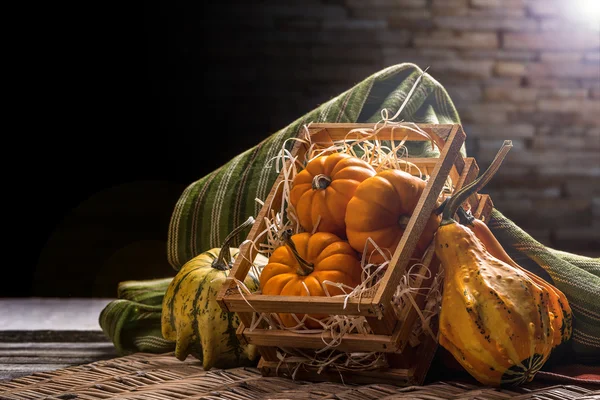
(403, 221)
(306, 268)
(459, 197)
(222, 262)
(321, 182)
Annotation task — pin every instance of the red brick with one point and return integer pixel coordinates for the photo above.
(549, 192)
(569, 105)
(353, 24)
(445, 39)
(464, 94)
(500, 130)
(560, 56)
(438, 53)
(592, 57)
(566, 143)
(413, 19)
(552, 40)
(498, 3)
(546, 82)
(500, 54)
(568, 171)
(336, 52)
(590, 83)
(546, 213)
(581, 188)
(564, 70)
(478, 69)
(490, 113)
(508, 172)
(545, 8)
(546, 160)
(470, 23)
(279, 9)
(359, 4)
(564, 93)
(450, 7)
(571, 130)
(504, 68)
(445, 4)
(505, 81)
(502, 12)
(394, 37)
(516, 95)
(494, 144)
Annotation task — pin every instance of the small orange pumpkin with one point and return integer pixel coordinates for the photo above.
(321, 191)
(380, 210)
(300, 267)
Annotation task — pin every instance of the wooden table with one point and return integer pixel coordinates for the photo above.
(43, 334)
(40, 335)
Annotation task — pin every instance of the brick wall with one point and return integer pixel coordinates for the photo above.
(524, 70)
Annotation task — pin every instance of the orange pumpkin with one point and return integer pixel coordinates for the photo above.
(380, 210)
(300, 267)
(321, 191)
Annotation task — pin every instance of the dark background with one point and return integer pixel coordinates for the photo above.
(118, 107)
(120, 120)
(127, 105)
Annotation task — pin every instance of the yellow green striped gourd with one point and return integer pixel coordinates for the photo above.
(192, 317)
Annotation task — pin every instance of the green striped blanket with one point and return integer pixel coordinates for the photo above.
(211, 207)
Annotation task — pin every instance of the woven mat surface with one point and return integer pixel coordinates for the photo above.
(144, 376)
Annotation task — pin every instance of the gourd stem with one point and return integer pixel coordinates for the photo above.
(321, 182)
(459, 197)
(222, 261)
(439, 209)
(403, 221)
(464, 217)
(305, 267)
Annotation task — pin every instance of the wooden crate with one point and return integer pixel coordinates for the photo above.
(403, 363)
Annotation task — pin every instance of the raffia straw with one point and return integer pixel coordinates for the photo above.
(406, 291)
(300, 359)
(432, 308)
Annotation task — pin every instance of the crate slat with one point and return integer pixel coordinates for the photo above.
(300, 305)
(418, 220)
(349, 342)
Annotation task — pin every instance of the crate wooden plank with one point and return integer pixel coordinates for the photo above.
(348, 343)
(340, 131)
(385, 323)
(418, 220)
(300, 305)
(484, 208)
(400, 377)
(266, 352)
